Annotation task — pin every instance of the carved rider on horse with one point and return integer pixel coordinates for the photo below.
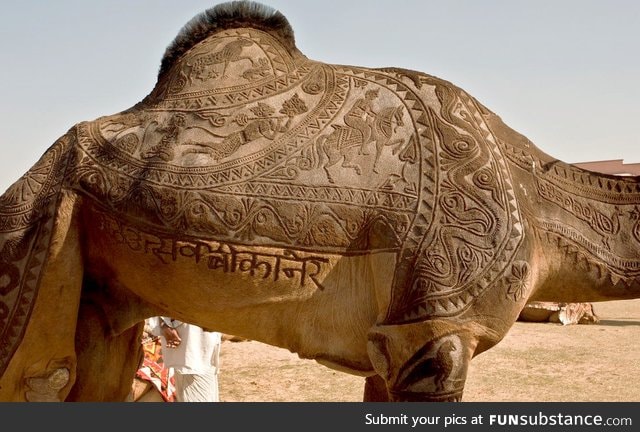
(361, 117)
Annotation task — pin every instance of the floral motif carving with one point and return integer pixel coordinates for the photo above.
(518, 282)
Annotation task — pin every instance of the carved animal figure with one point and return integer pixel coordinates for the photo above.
(343, 141)
(376, 273)
(201, 66)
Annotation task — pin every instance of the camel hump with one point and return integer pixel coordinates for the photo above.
(225, 16)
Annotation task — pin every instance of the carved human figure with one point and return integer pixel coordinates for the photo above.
(361, 117)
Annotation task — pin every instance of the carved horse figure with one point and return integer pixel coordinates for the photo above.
(342, 142)
(401, 282)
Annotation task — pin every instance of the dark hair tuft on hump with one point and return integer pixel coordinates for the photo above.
(225, 16)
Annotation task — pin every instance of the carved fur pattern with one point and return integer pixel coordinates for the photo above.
(177, 190)
(475, 212)
(27, 212)
(267, 171)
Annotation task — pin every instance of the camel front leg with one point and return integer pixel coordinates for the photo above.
(423, 361)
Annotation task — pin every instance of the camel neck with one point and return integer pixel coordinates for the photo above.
(589, 226)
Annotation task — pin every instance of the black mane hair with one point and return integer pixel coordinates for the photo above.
(224, 16)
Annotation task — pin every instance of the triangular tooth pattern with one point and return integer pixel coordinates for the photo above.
(614, 278)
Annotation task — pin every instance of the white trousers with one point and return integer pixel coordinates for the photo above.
(196, 387)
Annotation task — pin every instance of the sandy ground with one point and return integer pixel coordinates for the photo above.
(535, 362)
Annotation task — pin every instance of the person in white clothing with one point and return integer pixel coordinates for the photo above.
(194, 355)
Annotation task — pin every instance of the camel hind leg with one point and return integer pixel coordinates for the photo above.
(41, 252)
(43, 365)
(108, 339)
(107, 364)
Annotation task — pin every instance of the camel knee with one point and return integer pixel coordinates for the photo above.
(51, 384)
(425, 361)
(46, 388)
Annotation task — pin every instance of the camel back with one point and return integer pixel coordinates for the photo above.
(246, 142)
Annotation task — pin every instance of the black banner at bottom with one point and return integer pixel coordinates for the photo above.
(325, 417)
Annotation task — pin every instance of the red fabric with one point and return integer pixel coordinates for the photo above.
(153, 370)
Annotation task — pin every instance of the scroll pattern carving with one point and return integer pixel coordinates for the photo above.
(477, 224)
(592, 218)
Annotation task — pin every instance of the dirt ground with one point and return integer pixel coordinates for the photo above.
(535, 362)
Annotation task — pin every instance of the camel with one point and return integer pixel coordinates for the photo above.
(400, 275)
(562, 313)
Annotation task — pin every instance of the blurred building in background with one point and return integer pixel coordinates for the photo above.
(614, 166)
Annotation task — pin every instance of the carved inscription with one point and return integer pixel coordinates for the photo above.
(300, 266)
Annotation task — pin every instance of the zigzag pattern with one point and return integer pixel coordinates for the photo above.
(582, 250)
(224, 99)
(355, 197)
(607, 189)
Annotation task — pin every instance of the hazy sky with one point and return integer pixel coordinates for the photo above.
(562, 72)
